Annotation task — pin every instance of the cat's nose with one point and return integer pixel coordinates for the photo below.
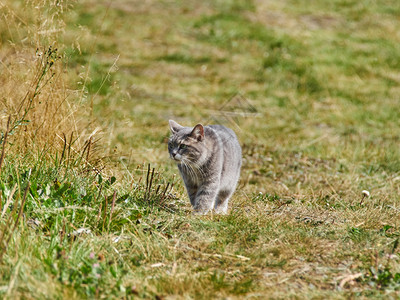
(175, 155)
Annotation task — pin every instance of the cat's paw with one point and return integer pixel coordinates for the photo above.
(221, 211)
(200, 211)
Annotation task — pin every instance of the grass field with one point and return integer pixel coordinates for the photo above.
(91, 205)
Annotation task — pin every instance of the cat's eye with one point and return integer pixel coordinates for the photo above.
(182, 146)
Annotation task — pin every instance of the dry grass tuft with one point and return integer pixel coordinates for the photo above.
(34, 83)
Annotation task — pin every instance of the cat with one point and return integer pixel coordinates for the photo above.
(209, 159)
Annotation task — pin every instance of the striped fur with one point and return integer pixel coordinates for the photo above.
(209, 160)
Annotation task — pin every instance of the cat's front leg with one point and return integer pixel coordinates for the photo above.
(192, 191)
(221, 203)
(205, 199)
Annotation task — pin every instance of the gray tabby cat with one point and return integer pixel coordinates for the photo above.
(209, 159)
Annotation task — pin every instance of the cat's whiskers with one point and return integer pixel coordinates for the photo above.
(195, 169)
(198, 168)
(187, 167)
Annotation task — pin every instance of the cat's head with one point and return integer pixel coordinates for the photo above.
(187, 144)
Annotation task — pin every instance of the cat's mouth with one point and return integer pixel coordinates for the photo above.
(176, 158)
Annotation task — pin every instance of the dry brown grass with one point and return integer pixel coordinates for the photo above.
(35, 92)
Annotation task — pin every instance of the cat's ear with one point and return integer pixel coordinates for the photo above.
(175, 127)
(198, 132)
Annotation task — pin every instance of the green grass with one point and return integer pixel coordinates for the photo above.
(311, 89)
